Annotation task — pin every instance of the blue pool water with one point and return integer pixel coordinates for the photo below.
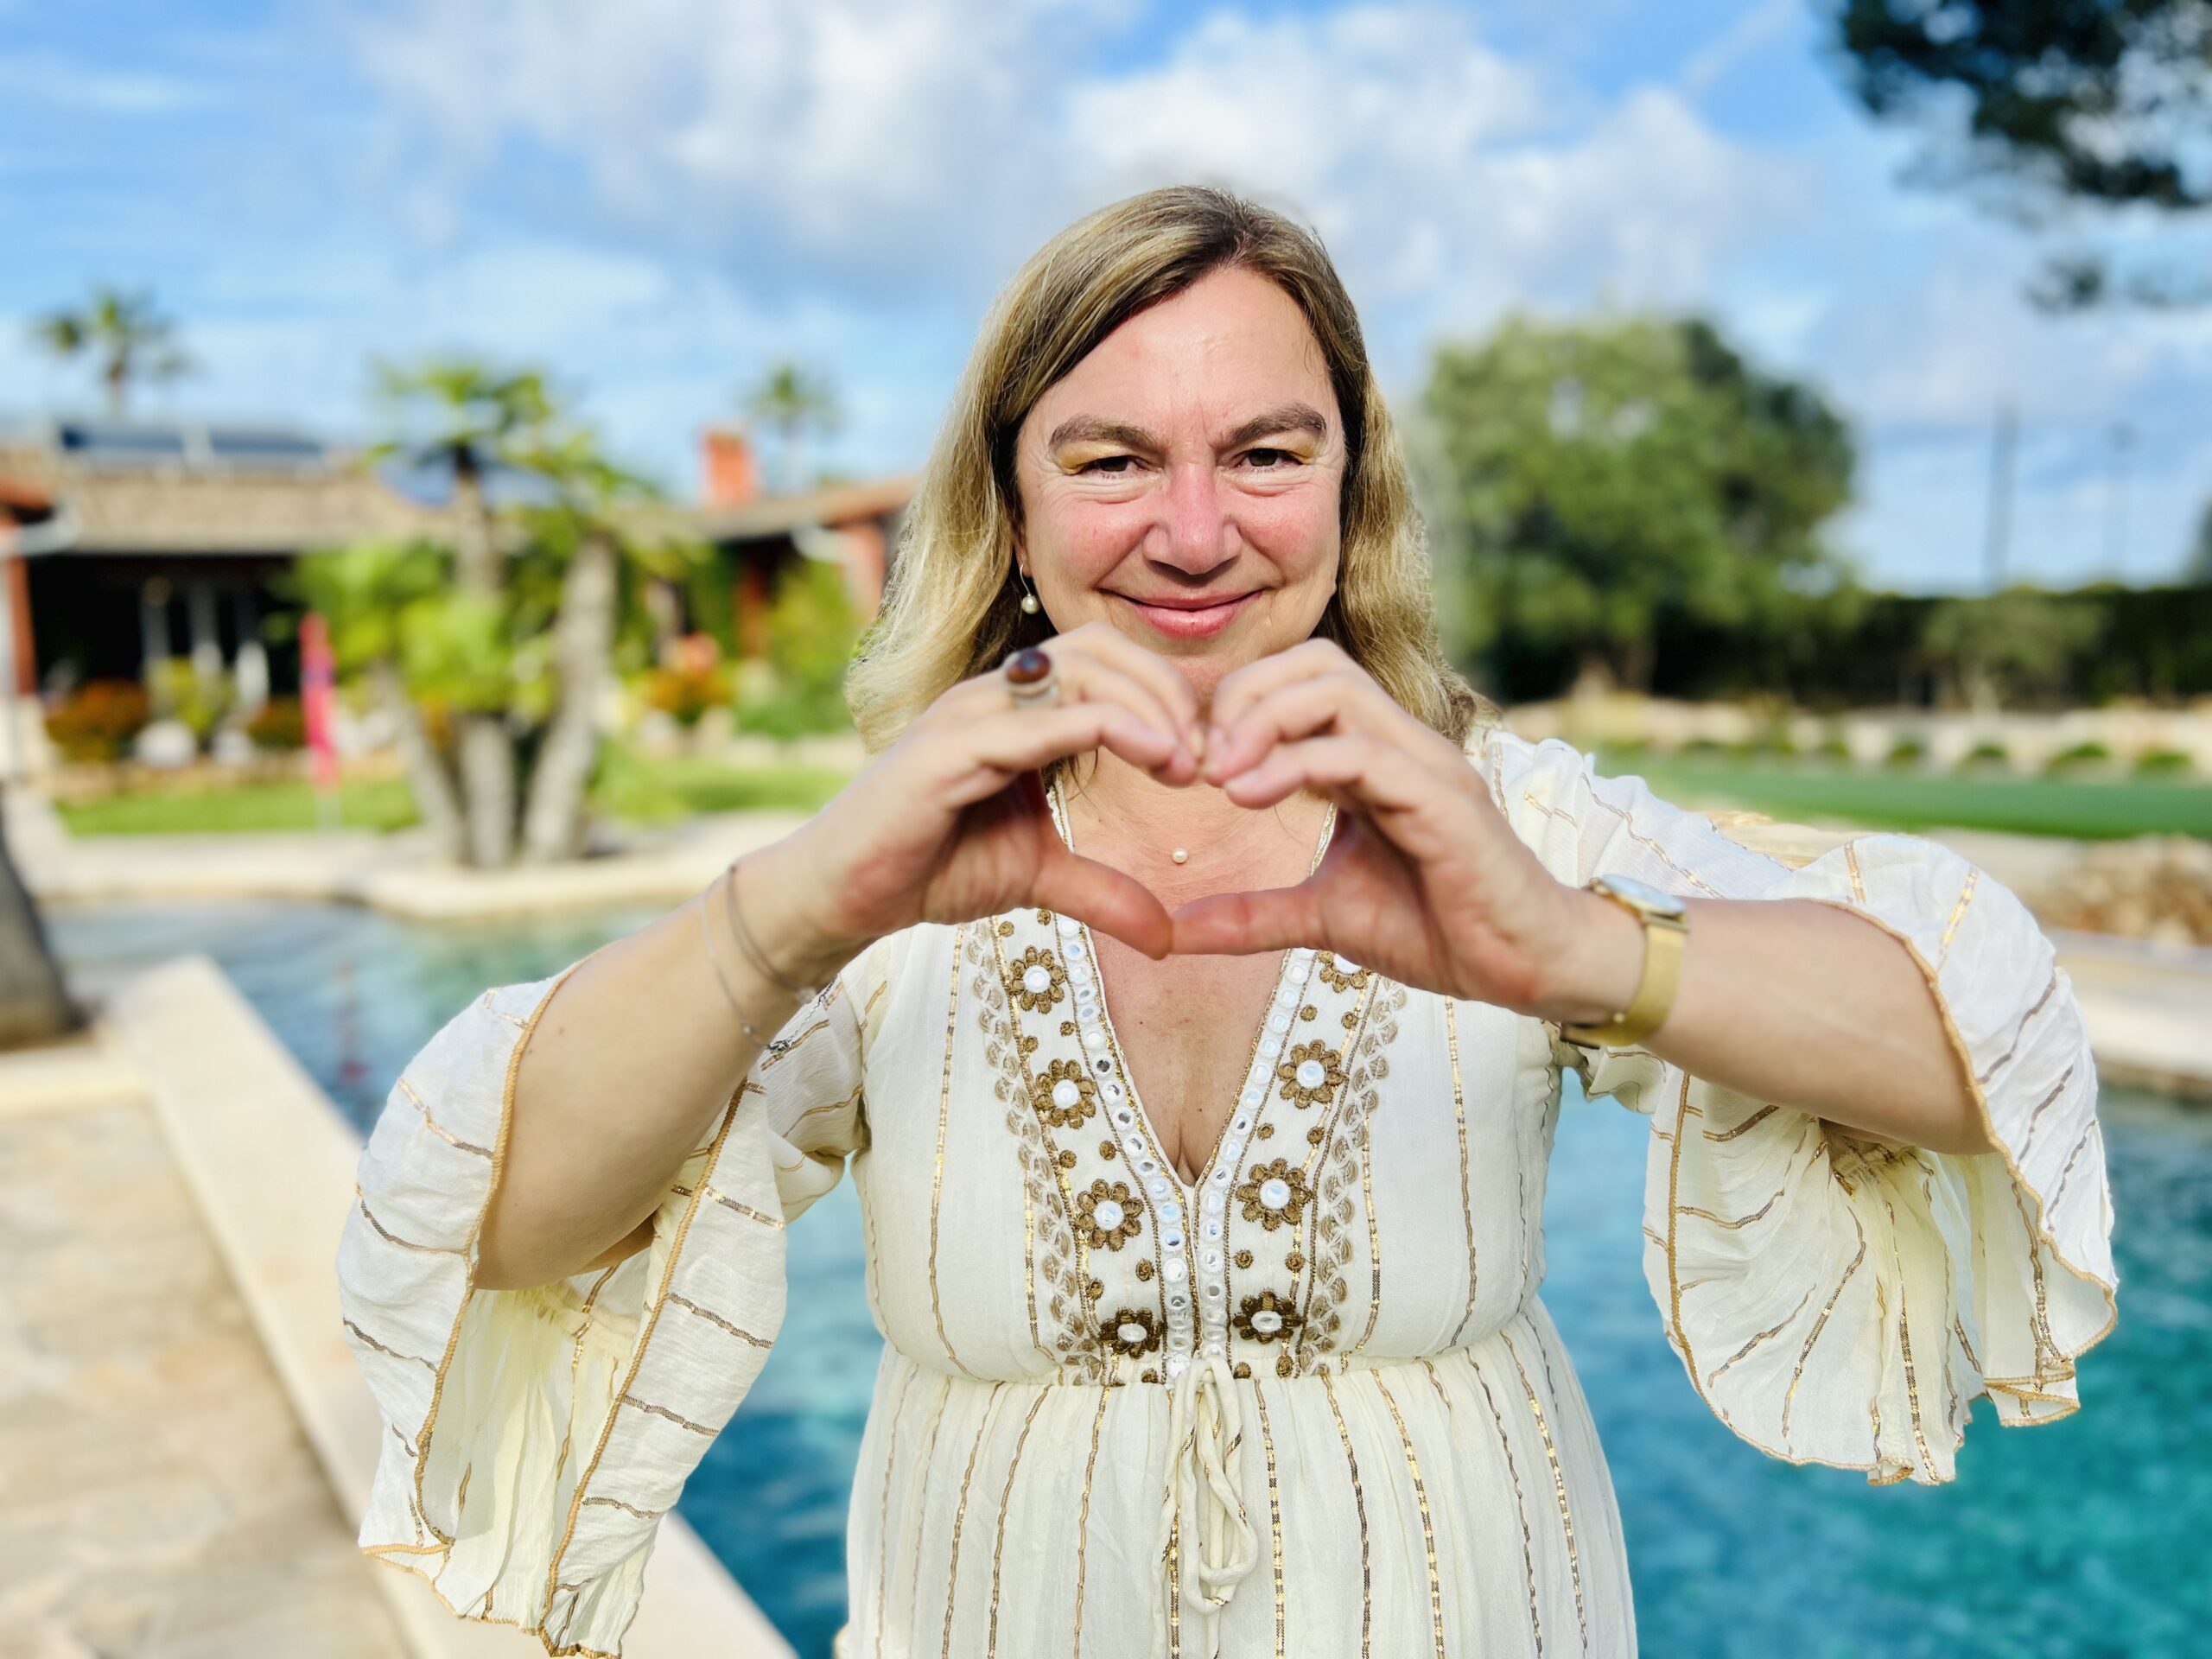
(2080, 1540)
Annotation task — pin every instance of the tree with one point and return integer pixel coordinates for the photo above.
(792, 401)
(1609, 478)
(2020, 642)
(2199, 569)
(2039, 105)
(128, 336)
(490, 650)
(34, 1005)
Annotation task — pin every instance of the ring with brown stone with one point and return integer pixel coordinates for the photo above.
(1030, 678)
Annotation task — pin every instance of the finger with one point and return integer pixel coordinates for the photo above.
(1301, 708)
(1108, 900)
(1167, 681)
(1092, 677)
(984, 754)
(1240, 688)
(1240, 924)
(1382, 779)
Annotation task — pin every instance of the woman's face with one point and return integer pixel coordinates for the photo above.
(1182, 482)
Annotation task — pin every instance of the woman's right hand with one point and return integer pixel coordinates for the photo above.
(950, 822)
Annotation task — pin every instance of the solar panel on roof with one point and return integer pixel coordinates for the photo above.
(288, 446)
(122, 443)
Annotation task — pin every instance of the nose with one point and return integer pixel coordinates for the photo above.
(1194, 534)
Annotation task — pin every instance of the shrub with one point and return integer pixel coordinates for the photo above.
(1834, 746)
(2164, 762)
(2091, 753)
(96, 720)
(197, 701)
(1705, 748)
(279, 723)
(693, 680)
(1987, 753)
(1908, 752)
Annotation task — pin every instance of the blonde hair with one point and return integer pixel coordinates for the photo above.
(953, 607)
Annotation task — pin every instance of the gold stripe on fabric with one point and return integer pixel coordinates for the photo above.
(2066, 1174)
(1083, 1515)
(1559, 1475)
(1745, 1127)
(614, 1503)
(1519, 1503)
(1006, 1497)
(1437, 1383)
(1719, 1220)
(2050, 990)
(1851, 863)
(960, 1519)
(412, 1359)
(1628, 826)
(575, 1366)
(638, 1354)
(943, 1113)
(929, 1453)
(361, 1198)
(1559, 812)
(1467, 1199)
(1674, 1269)
(1427, 1526)
(422, 1457)
(407, 1093)
(1805, 1353)
(1274, 1508)
(713, 1318)
(1175, 1588)
(1958, 915)
(1359, 1508)
(1904, 1344)
(1772, 1330)
(883, 1539)
(680, 1421)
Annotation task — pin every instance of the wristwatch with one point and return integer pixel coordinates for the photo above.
(1666, 935)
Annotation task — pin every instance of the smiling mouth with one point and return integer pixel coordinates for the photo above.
(1189, 617)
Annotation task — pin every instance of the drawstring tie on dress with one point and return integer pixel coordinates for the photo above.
(1204, 1495)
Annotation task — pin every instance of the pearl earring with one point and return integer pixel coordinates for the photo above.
(1029, 605)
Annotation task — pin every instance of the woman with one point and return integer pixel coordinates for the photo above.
(1211, 1323)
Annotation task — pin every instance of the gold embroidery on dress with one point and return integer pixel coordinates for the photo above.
(1559, 1476)
(1041, 1088)
(1466, 1198)
(1126, 1223)
(1131, 1330)
(944, 1116)
(960, 1519)
(1274, 1503)
(1342, 1159)
(1256, 1208)
(1267, 1317)
(1056, 986)
(1427, 1526)
(1082, 1516)
(1520, 1507)
(1318, 1093)
(998, 1541)
(1359, 1509)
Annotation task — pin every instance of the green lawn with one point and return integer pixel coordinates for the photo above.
(658, 790)
(381, 803)
(2081, 808)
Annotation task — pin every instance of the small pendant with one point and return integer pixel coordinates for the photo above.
(1181, 855)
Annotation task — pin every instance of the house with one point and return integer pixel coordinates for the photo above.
(149, 540)
(169, 540)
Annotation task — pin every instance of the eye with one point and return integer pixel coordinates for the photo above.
(1108, 466)
(1271, 460)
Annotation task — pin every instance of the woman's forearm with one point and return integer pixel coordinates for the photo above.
(627, 1067)
(1793, 1001)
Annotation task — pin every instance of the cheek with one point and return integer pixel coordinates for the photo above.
(1081, 542)
(1296, 529)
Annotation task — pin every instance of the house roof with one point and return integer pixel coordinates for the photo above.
(779, 515)
(157, 500)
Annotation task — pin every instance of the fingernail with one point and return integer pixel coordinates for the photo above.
(1198, 742)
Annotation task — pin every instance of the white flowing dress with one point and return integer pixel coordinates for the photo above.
(1310, 1405)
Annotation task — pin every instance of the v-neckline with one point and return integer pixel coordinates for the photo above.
(1189, 1190)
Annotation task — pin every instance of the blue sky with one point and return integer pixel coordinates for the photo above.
(657, 198)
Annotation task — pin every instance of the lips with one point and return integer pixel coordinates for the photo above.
(1187, 617)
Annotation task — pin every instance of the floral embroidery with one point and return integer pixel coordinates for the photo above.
(1266, 1318)
(1106, 1215)
(1274, 1194)
(1310, 1074)
(1036, 981)
(1063, 1095)
(1134, 1331)
(1340, 976)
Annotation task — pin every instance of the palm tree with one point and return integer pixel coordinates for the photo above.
(791, 400)
(467, 420)
(132, 341)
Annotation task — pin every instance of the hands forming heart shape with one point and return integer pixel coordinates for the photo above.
(1423, 879)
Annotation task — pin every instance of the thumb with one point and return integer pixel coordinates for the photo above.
(1240, 924)
(1105, 897)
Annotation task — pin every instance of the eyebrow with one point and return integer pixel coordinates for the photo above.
(1284, 417)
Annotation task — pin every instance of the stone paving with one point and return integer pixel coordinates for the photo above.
(158, 1498)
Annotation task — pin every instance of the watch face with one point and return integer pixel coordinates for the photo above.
(1641, 894)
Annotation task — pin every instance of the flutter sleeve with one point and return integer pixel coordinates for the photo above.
(534, 1437)
(1837, 1298)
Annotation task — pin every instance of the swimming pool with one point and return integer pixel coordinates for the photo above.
(2081, 1540)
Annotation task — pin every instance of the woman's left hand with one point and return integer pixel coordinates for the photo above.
(1423, 879)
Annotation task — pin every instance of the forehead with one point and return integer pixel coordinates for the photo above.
(1231, 342)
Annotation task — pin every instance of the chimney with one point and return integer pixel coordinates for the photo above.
(730, 476)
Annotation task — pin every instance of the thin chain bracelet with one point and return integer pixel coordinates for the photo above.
(706, 938)
(753, 951)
